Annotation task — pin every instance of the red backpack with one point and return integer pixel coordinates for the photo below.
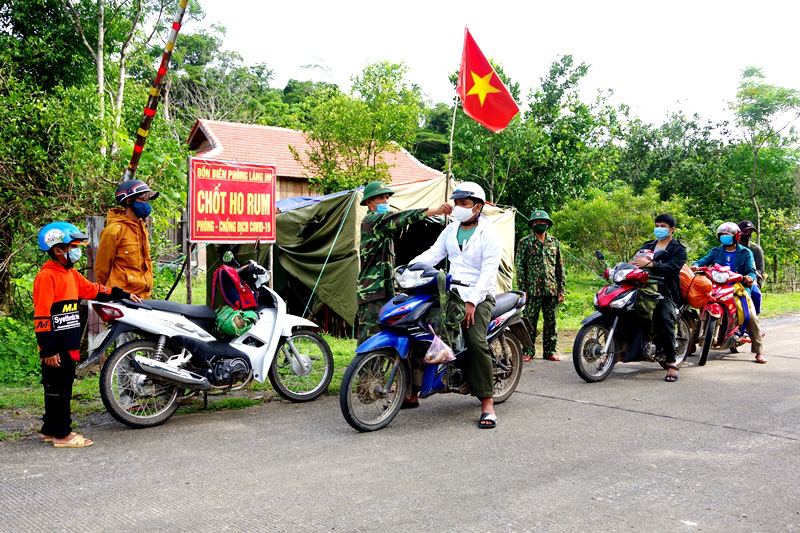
(233, 290)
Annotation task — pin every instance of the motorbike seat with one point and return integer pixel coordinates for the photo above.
(202, 312)
(507, 301)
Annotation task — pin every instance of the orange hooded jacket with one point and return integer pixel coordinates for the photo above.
(123, 255)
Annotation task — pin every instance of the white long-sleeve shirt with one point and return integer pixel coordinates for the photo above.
(476, 264)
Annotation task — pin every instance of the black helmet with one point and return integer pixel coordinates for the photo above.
(130, 188)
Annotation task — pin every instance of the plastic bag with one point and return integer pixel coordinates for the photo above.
(438, 352)
(231, 321)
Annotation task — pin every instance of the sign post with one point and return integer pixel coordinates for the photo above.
(231, 202)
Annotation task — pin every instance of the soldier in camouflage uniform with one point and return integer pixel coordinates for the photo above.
(540, 273)
(378, 230)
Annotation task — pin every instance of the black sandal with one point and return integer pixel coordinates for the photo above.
(671, 378)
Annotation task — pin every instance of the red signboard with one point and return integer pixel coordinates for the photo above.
(231, 202)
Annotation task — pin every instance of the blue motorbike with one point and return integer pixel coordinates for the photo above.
(386, 364)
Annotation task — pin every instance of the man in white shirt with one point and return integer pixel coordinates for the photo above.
(474, 249)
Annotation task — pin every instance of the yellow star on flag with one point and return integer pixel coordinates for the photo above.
(482, 86)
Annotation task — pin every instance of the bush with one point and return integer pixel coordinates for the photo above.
(19, 354)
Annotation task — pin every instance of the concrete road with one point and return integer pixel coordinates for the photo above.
(717, 451)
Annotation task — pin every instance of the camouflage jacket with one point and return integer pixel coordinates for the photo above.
(540, 268)
(378, 231)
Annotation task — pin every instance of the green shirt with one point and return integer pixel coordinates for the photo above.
(464, 235)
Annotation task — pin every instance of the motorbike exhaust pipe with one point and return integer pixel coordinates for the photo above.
(170, 374)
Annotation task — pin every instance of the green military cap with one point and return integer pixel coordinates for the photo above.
(374, 189)
(540, 214)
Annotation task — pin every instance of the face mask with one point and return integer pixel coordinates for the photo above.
(74, 255)
(539, 228)
(661, 233)
(462, 214)
(744, 239)
(727, 240)
(381, 208)
(142, 209)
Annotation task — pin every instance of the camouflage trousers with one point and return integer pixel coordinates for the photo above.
(368, 316)
(547, 304)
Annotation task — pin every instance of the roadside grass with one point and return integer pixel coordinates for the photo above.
(780, 304)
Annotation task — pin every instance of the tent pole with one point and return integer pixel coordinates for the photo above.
(450, 153)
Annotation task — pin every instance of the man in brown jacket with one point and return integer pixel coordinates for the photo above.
(123, 255)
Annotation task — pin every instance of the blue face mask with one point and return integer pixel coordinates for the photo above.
(661, 233)
(142, 209)
(74, 255)
(727, 240)
(381, 208)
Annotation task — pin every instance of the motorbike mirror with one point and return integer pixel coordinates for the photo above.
(599, 255)
(227, 257)
(257, 246)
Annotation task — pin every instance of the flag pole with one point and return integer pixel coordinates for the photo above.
(452, 130)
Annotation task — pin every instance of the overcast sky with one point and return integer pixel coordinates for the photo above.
(656, 56)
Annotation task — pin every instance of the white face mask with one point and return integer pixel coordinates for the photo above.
(462, 214)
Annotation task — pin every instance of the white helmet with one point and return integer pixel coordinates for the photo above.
(469, 189)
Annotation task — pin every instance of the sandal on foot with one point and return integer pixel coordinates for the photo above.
(760, 359)
(551, 358)
(45, 438)
(488, 421)
(78, 441)
(671, 378)
(409, 405)
(526, 358)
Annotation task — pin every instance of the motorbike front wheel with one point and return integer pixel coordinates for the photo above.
(708, 340)
(367, 399)
(306, 375)
(506, 353)
(590, 362)
(683, 342)
(134, 399)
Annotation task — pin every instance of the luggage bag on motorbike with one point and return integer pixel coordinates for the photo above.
(233, 303)
(695, 289)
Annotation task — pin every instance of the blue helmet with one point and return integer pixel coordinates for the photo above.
(60, 233)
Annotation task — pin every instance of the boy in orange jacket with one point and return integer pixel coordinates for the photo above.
(56, 291)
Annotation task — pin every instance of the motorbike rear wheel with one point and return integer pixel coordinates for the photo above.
(366, 403)
(308, 378)
(136, 400)
(506, 349)
(708, 340)
(590, 364)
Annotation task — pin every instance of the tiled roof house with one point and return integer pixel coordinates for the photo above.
(249, 143)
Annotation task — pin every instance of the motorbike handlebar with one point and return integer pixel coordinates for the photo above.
(657, 278)
(458, 282)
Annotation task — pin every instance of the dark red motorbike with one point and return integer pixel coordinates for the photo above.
(719, 320)
(612, 334)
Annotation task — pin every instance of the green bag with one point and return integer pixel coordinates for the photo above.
(446, 319)
(234, 322)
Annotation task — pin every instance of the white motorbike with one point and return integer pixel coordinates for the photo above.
(176, 357)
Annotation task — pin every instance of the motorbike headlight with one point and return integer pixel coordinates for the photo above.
(622, 302)
(620, 275)
(408, 279)
(719, 277)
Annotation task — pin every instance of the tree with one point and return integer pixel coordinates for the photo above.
(763, 112)
(349, 133)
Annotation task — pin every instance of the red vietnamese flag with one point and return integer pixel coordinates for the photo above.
(483, 95)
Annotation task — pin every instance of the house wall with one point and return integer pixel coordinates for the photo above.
(289, 187)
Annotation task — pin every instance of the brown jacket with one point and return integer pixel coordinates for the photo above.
(123, 255)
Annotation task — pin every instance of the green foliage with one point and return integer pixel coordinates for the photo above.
(348, 133)
(618, 221)
(19, 354)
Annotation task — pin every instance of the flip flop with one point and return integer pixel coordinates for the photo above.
(409, 405)
(78, 441)
(760, 359)
(552, 358)
(672, 378)
(45, 438)
(491, 418)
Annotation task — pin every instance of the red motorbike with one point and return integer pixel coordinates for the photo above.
(613, 334)
(719, 319)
